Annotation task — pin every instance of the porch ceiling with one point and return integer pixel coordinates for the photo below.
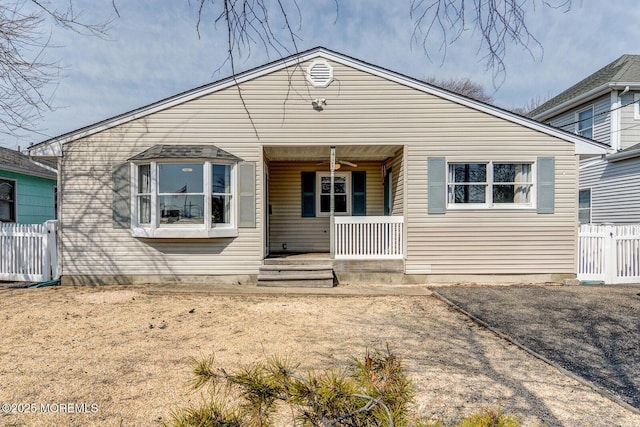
(322, 153)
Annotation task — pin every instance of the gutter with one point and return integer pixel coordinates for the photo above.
(623, 155)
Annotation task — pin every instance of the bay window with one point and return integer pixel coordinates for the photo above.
(490, 185)
(188, 199)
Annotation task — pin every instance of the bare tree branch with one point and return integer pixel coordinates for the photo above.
(25, 74)
(498, 23)
(463, 86)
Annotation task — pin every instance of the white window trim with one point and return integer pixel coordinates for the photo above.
(593, 120)
(489, 205)
(155, 230)
(636, 106)
(590, 203)
(319, 176)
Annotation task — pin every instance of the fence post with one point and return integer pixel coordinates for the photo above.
(52, 237)
(610, 258)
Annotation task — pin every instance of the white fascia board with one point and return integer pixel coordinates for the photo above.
(48, 149)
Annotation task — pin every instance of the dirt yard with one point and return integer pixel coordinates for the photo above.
(120, 356)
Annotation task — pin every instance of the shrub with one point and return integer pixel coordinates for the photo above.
(374, 392)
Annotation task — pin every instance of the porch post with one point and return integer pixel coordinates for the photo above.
(332, 223)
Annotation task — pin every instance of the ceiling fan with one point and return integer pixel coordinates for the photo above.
(339, 163)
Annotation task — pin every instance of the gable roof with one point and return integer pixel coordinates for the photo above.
(52, 147)
(623, 72)
(15, 161)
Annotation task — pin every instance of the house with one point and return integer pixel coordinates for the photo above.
(27, 189)
(214, 184)
(604, 106)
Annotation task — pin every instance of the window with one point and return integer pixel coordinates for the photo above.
(490, 185)
(350, 193)
(584, 127)
(342, 193)
(188, 199)
(584, 206)
(7, 200)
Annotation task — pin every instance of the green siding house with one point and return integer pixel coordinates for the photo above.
(27, 189)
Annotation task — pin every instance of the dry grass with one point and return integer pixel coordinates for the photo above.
(127, 351)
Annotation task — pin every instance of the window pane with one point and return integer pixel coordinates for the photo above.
(221, 209)
(584, 216)
(324, 203)
(180, 178)
(512, 172)
(6, 190)
(584, 199)
(7, 196)
(340, 203)
(467, 194)
(221, 179)
(339, 185)
(182, 209)
(511, 193)
(470, 172)
(144, 179)
(6, 211)
(503, 193)
(144, 209)
(585, 123)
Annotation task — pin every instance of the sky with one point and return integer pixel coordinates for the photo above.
(153, 51)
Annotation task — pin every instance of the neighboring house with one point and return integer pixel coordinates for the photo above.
(604, 106)
(428, 185)
(27, 189)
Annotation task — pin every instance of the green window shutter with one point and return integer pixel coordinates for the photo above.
(436, 177)
(546, 185)
(359, 193)
(247, 195)
(308, 204)
(121, 201)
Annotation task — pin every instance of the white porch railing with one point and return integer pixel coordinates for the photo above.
(609, 253)
(28, 252)
(369, 237)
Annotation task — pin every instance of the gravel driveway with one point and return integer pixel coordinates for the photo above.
(591, 331)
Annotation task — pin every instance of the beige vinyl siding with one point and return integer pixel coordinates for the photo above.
(362, 110)
(492, 241)
(92, 246)
(398, 176)
(306, 234)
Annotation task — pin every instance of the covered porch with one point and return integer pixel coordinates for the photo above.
(361, 219)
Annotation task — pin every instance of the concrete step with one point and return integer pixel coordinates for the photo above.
(296, 275)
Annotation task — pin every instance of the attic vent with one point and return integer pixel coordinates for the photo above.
(320, 74)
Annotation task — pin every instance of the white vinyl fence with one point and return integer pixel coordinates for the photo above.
(609, 253)
(369, 237)
(28, 252)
